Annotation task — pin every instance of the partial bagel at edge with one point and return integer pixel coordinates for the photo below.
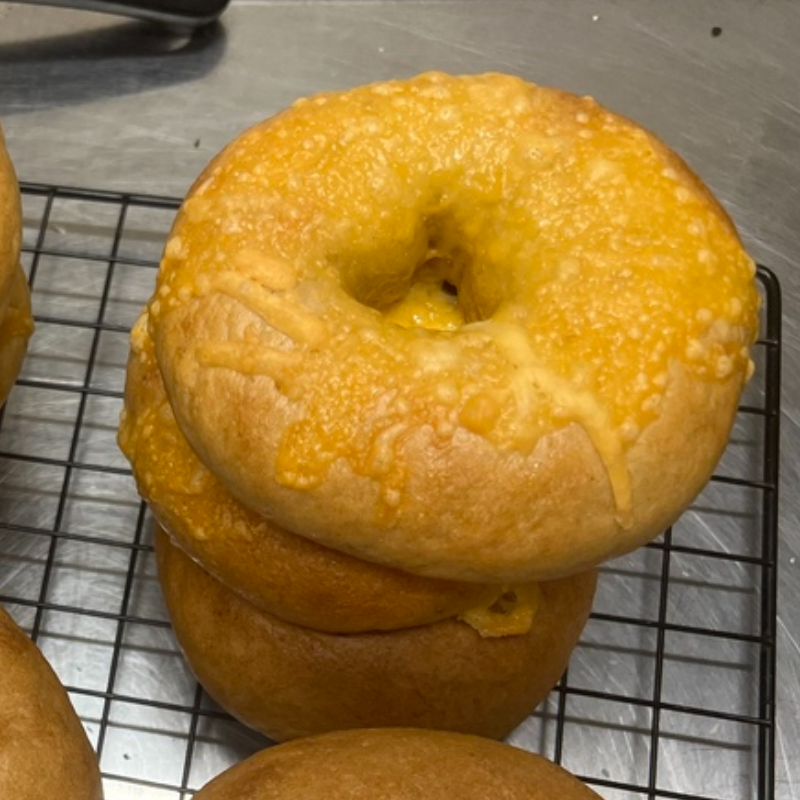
(398, 764)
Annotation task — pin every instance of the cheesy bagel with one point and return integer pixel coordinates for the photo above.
(287, 681)
(16, 321)
(468, 327)
(396, 764)
(44, 750)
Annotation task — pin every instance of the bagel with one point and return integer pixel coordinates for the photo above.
(288, 682)
(399, 764)
(16, 321)
(284, 574)
(467, 327)
(44, 751)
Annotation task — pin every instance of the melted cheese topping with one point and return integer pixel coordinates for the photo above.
(429, 303)
(511, 613)
(586, 261)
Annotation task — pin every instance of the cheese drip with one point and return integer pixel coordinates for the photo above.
(580, 406)
(511, 613)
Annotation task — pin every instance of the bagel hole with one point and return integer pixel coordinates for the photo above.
(420, 280)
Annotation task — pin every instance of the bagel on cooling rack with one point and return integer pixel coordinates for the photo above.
(289, 681)
(44, 751)
(16, 321)
(467, 327)
(397, 764)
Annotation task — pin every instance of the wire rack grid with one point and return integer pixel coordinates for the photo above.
(670, 693)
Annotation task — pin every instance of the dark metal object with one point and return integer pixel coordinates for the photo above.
(183, 13)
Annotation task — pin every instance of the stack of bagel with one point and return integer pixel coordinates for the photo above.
(420, 357)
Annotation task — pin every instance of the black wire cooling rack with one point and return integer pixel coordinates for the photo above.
(670, 694)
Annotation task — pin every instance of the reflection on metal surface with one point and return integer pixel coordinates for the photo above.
(670, 693)
(168, 57)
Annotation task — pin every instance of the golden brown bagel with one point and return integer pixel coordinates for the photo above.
(397, 764)
(285, 575)
(564, 408)
(16, 322)
(44, 751)
(287, 681)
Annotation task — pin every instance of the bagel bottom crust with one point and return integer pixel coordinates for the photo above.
(395, 764)
(288, 682)
(44, 751)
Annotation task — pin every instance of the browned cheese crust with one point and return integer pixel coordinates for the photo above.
(288, 682)
(44, 751)
(564, 409)
(399, 764)
(16, 321)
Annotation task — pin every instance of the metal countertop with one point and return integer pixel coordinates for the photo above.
(94, 101)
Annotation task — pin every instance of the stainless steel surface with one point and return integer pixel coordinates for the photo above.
(89, 101)
(189, 13)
